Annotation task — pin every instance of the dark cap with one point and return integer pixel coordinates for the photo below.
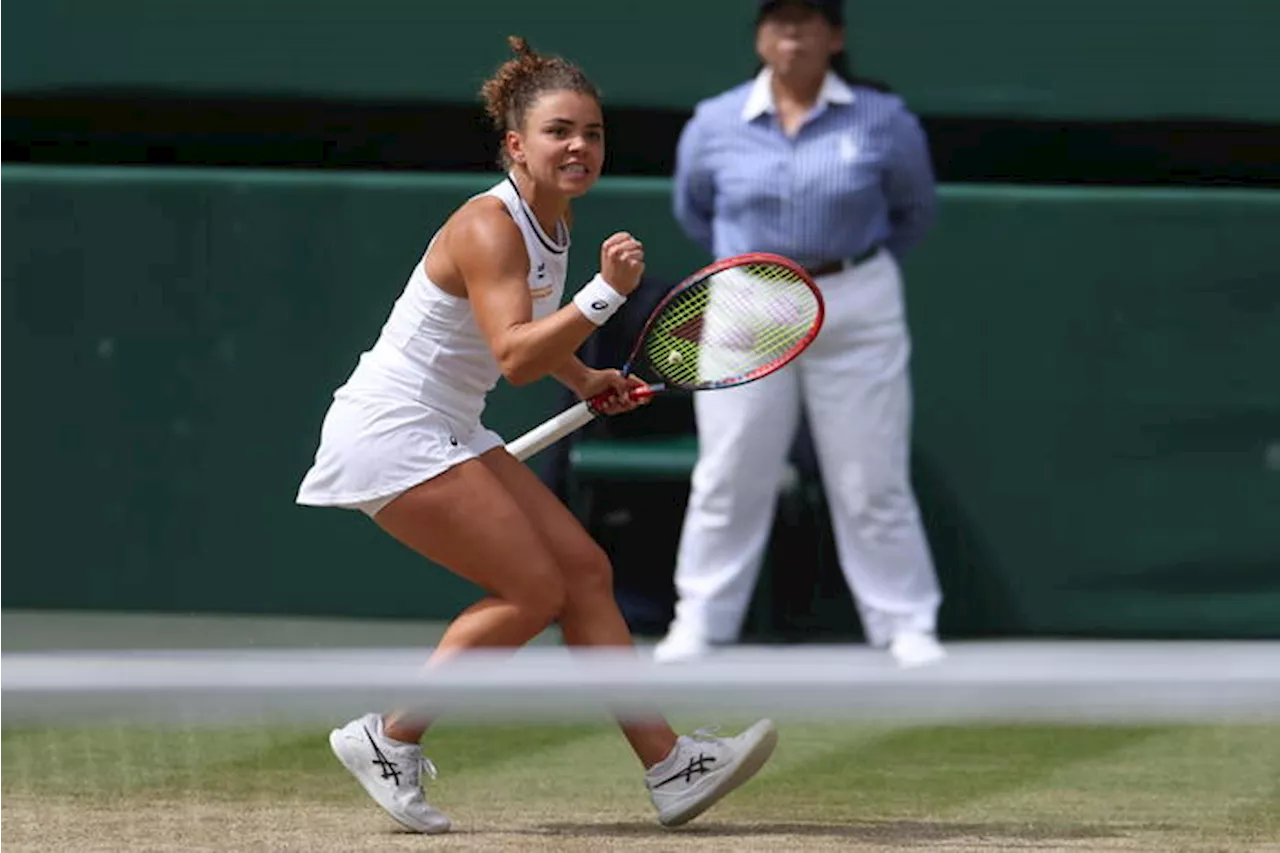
(832, 10)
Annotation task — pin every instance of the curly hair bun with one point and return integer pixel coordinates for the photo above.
(519, 81)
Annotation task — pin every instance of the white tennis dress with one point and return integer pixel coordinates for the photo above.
(411, 408)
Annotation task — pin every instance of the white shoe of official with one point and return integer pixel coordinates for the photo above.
(916, 648)
(702, 769)
(389, 771)
(680, 645)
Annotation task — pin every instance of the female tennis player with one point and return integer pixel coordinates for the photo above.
(403, 442)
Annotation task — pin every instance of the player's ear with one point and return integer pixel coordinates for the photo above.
(515, 146)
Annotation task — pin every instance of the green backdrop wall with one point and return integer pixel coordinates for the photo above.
(1099, 407)
(1098, 413)
(1107, 59)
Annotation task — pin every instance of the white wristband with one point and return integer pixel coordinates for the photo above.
(597, 300)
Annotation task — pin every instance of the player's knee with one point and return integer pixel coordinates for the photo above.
(543, 599)
(588, 574)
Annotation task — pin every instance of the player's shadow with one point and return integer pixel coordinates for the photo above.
(868, 831)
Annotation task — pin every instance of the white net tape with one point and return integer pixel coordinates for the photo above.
(1043, 681)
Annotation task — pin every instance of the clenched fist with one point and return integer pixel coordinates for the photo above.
(622, 262)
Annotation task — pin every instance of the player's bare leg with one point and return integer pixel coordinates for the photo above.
(466, 520)
(685, 775)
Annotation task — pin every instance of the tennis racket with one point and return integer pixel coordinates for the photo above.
(732, 322)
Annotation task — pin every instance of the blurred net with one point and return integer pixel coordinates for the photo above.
(1074, 681)
(1034, 743)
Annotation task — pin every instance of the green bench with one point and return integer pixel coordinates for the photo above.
(667, 458)
(671, 458)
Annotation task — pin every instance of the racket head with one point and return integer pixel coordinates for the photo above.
(729, 323)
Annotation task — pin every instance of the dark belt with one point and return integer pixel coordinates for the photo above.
(821, 268)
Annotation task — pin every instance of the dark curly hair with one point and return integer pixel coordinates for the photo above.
(518, 83)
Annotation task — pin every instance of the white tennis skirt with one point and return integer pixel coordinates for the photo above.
(374, 449)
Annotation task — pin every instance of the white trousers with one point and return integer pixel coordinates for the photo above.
(855, 386)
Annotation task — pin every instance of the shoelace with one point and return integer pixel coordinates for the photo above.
(421, 765)
(706, 733)
(424, 765)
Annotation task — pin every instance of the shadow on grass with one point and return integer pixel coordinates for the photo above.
(886, 831)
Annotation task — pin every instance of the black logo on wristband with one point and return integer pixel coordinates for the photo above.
(599, 305)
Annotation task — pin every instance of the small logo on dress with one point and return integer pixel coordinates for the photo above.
(453, 439)
(542, 270)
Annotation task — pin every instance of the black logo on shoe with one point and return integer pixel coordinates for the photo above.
(390, 770)
(696, 766)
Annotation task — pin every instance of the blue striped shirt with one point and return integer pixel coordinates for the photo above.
(857, 173)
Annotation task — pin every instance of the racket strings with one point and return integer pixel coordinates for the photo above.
(734, 323)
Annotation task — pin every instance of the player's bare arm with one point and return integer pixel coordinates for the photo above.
(489, 253)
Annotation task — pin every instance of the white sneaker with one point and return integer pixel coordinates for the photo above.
(702, 769)
(389, 771)
(915, 648)
(679, 646)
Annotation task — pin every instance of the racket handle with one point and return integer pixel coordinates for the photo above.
(547, 434)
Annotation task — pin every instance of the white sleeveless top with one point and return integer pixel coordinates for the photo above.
(431, 351)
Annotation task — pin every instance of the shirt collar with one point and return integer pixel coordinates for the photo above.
(760, 98)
